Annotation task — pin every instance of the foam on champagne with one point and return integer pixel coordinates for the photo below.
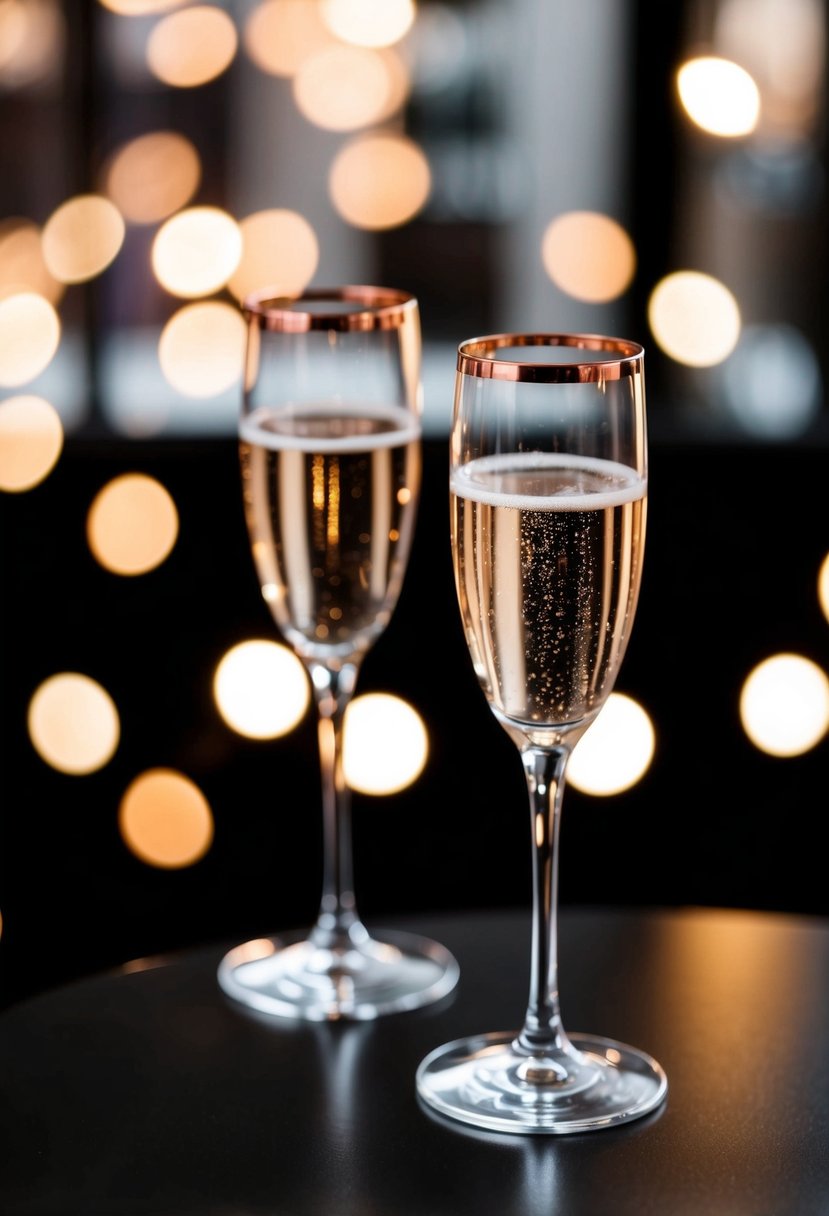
(308, 428)
(606, 483)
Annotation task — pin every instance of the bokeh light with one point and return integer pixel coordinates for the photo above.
(12, 30)
(82, 237)
(141, 8)
(439, 47)
(261, 689)
(369, 22)
(385, 745)
(29, 337)
(694, 318)
(784, 705)
(132, 524)
(343, 88)
(616, 751)
(195, 252)
(73, 723)
(165, 819)
(823, 586)
(22, 265)
(31, 440)
(202, 348)
(279, 35)
(782, 43)
(279, 250)
(191, 47)
(719, 96)
(152, 176)
(772, 384)
(398, 81)
(32, 42)
(588, 255)
(379, 181)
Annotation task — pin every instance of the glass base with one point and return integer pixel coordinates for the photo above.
(594, 1083)
(291, 976)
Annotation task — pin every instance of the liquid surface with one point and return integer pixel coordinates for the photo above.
(330, 501)
(547, 552)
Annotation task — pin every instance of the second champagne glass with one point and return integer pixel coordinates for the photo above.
(548, 488)
(330, 450)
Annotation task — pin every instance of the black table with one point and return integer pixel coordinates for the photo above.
(147, 1092)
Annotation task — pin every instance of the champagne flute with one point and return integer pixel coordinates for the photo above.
(548, 492)
(330, 450)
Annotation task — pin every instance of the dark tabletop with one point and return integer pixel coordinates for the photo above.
(147, 1092)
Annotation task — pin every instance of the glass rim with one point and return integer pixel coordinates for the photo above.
(476, 357)
(283, 312)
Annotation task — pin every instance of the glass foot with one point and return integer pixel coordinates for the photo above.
(486, 1082)
(290, 976)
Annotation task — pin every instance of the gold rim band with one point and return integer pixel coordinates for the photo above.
(476, 357)
(375, 308)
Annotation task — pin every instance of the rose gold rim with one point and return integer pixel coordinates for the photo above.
(476, 357)
(376, 308)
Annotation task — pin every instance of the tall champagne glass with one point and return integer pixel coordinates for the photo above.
(330, 454)
(548, 493)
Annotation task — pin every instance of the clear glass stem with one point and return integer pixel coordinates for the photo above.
(338, 927)
(542, 1038)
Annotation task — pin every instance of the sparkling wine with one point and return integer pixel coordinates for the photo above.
(330, 500)
(548, 556)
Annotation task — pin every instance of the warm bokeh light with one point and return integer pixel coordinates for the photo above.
(589, 256)
(193, 46)
(153, 176)
(195, 252)
(279, 35)
(694, 318)
(22, 266)
(782, 43)
(32, 42)
(73, 723)
(616, 751)
(12, 30)
(31, 440)
(29, 337)
(784, 705)
(379, 181)
(823, 586)
(132, 524)
(398, 81)
(261, 689)
(719, 96)
(343, 88)
(165, 819)
(369, 22)
(385, 744)
(202, 347)
(141, 8)
(82, 237)
(279, 250)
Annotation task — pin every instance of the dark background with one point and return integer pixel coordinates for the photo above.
(737, 533)
(730, 577)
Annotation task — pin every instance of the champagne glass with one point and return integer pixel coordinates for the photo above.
(330, 452)
(548, 492)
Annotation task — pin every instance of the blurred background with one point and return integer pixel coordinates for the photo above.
(654, 171)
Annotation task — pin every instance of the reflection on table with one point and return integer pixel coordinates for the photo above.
(145, 1091)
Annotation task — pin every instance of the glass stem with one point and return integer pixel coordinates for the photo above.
(338, 925)
(542, 1036)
